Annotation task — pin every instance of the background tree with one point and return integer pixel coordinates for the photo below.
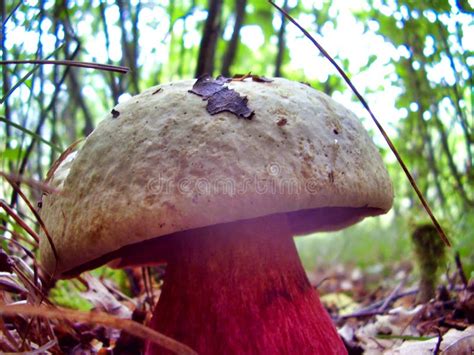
(210, 36)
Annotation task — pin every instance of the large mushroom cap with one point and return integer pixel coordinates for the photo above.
(160, 164)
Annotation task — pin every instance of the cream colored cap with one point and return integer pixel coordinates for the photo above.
(161, 164)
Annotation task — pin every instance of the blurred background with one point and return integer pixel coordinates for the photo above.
(412, 60)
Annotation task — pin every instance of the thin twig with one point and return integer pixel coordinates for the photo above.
(422, 199)
(38, 185)
(17, 243)
(3, 204)
(438, 343)
(12, 213)
(374, 308)
(31, 133)
(10, 90)
(392, 295)
(71, 63)
(461, 273)
(131, 327)
(11, 13)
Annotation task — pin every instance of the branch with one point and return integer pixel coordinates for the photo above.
(70, 63)
(130, 326)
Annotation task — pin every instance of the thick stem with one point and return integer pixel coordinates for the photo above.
(240, 288)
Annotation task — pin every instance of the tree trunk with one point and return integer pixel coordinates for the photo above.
(75, 89)
(209, 39)
(129, 43)
(234, 41)
(5, 77)
(281, 42)
(113, 83)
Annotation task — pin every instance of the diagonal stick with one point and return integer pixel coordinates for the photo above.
(377, 123)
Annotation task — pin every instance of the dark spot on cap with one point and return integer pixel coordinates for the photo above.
(271, 296)
(331, 176)
(335, 131)
(156, 91)
(115, 113)
(282, 122)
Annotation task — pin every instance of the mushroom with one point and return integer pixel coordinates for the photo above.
(219, 198)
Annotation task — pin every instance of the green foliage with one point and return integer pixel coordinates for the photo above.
(66, 294)
(351, 246)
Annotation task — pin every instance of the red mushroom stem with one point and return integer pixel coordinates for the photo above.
(240, 288)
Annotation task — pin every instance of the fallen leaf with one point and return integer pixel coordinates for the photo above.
(9, 284)
(256, 78)
(241, 77)
(340, 301)
(103, 299)
(221, 98)
(397, 324)
(454, 342)
(229, 100)
(6, 264)
(261, 79)
(206, 86)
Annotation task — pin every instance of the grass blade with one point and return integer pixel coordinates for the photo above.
(31, 133)
(22, 80)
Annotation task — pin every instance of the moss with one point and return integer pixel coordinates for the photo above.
(430, 254)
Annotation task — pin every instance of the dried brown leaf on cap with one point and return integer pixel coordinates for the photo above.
(229, 100)
(261, 79)
(241, 77)
(221, 98)
(206, 86)
(256, 78)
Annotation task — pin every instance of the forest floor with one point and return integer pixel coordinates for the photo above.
(370, 319)
(375, 319)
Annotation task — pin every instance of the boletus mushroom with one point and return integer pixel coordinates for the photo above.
(218, 198)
